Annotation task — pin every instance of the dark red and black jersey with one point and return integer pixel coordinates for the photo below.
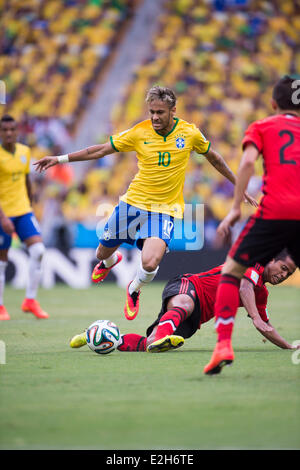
(255, 276)
(277, 138)
(206, 285)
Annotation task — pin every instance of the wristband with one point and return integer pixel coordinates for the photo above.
(63, 158)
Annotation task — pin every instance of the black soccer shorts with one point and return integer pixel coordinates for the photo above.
(262, 239)
(180, 285)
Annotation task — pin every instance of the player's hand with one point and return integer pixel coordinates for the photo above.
(232, 217)
(262, 326)
(45, 163)
(296, 346)
(7, 225)
(250, 199)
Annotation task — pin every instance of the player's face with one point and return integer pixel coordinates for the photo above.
(278, 271)
(8, 132)
(161, 116)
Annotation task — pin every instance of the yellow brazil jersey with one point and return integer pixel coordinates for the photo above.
(14, 167)
(162, 162)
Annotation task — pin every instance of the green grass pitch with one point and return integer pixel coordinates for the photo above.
(55, 397)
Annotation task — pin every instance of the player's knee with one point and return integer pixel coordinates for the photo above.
(232, 268)
(182, 301)
(187, 306)
(37, 251)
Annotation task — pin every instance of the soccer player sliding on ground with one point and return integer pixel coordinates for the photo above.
(188, 302)
(276, 223)
(163, 145)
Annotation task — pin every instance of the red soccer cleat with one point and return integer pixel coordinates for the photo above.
(132, 304)
(223, 355)
(32, 306)
(4, 313)
(100, 271)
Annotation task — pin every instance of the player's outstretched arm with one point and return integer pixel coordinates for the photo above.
(245, 172)
(247, 296)
(216, 160)
(276, 339)
(266, 329)
(89, 153)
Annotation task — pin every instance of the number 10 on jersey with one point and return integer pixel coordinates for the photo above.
(164, 158)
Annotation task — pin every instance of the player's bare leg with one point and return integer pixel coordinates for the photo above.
(227, 303)
(162, 338)
(153, 250)
(4, 315)
(109, 257)
(36, 250)
(233, 268)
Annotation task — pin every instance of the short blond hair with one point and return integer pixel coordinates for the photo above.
(163, 94)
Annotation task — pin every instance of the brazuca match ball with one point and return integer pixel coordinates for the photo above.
(103, 336)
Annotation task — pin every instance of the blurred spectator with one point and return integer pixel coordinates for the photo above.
(51, 56)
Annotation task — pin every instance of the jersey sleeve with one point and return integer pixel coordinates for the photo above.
(200, 143)
(261, 298)
(124, 141)
(253, 136)
(253, 275)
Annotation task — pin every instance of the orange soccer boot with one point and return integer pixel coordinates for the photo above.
(223, 355)
(100, 271)
(32, 306)
(4, 313)
(132, 304)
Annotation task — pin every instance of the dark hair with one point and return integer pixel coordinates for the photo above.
(282, 255)
(6, 118)
(163, 94)
(283, 93)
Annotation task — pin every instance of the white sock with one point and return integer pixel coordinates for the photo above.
(108, 262)
(36, 252)
(141, 279)
(3, 265)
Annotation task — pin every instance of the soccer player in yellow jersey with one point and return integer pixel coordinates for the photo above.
(16, 214)
(163, 145)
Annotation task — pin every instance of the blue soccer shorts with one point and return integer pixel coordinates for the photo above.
(26, 226)
(129, 224)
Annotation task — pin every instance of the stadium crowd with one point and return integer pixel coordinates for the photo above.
(220, 57)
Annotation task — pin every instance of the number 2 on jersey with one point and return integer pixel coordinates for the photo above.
(282, 157)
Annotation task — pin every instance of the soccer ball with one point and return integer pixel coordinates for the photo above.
(103, 336)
